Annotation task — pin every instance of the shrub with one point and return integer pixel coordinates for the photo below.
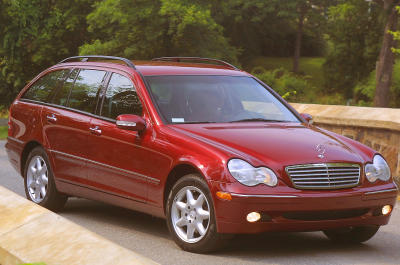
(290, 86)
(364, 91)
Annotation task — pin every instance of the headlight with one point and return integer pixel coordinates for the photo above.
(379, 169)
(251, 176)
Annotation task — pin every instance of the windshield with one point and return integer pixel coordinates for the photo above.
(216, 99)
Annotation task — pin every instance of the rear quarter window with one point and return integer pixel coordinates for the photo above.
(85, 92)
(61, 95)
(44, 88)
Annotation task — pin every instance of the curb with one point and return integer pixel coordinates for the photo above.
(56, 240)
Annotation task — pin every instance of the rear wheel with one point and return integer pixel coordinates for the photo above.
(39, 181)
(191, 217)
(357, 234)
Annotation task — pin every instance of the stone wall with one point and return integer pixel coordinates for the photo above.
(378, 128)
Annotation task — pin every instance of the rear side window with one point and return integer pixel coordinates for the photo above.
(43, 89)
(61, 96)
(84, 93)
(120, 98)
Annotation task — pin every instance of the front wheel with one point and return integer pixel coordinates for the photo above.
(357, 234)
(191, 217)
(39, 181)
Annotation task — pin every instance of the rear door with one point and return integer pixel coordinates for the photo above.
(66, 123)
(116, 156)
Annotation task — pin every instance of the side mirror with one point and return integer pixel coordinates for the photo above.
(130, 122)
(307, 117)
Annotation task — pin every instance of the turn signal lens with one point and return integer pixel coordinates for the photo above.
(224, 196)
(253, 217)
(387, 209)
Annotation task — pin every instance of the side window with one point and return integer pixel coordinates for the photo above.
(85, 92)
(61, 96)
(120, 98)
(43, 89)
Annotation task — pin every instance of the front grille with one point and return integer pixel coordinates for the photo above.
(324, 176)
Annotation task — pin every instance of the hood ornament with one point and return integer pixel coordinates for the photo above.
(321, 150)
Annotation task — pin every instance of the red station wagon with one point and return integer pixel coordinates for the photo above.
(196, 141)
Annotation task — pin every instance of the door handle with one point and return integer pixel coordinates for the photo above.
(95, 130)
(51, 118)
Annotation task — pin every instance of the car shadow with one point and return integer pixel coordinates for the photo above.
(282, 247)
(114, 215)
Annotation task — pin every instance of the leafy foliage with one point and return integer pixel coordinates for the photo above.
(311, 67)
(396, 35)
(365, 89)
(145, 29)
(289, 86)
(268, 28)
(36, 34)
(354, 33)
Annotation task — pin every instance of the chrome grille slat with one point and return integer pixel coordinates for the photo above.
(331, 178)
(324, 182)
(324, 176)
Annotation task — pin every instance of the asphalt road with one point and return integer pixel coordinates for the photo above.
(149, 236)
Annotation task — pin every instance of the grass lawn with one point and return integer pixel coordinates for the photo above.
(3, 132)
(310, 66)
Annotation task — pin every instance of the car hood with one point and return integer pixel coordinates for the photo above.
(275, 145)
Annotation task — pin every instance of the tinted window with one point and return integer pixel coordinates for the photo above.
(85, 91)
(43, 89)
(61, 96)
(120, 98)
(204, 99)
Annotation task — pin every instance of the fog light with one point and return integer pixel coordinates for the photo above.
(253, 217)
(387, 209)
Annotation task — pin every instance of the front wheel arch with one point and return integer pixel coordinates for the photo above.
(175, 174)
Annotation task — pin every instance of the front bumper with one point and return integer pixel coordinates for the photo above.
(303, 210)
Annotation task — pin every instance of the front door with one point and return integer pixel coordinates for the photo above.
(116, 155)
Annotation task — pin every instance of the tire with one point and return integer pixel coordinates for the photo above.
(39, 181)
(352, 235)
(182, 218)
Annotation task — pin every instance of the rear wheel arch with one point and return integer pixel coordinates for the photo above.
(25, 153)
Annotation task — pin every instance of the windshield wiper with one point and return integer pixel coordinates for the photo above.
(257, 119)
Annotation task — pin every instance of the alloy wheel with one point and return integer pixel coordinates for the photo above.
(37, 179)
(190, 214)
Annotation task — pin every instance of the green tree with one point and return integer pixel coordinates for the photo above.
(143, 29)
(384, 68)
(353, 32)
(396, 35)
(275, 27)
(35, 34)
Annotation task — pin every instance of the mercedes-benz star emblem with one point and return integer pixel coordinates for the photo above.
(321, 150)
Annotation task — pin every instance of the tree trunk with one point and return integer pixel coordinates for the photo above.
(299, 37)
(384, 69)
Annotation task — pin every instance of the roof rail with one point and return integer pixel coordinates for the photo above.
(86, 58)
(179, 59)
